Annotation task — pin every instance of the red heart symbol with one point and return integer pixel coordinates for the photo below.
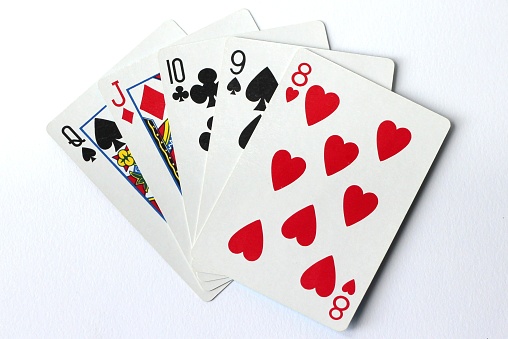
(285, 169)
(349, 287)
(291, 94)
(391, 140)
(357, 205)
(319, 105)
(248, 240)
(338, 155)
(301, 225)
(320, 276)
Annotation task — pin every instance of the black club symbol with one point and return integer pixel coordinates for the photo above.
(204, 138)
(180, 94)
(208, 90)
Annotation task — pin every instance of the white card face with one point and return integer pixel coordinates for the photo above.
(249, 67)
(238, 22)
(309, 34)
(203, 276)
(321, 190)
(189, 76)
(87, 133)
(134, 97)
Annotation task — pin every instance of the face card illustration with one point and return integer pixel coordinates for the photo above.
(190, 82)
(323, 188)
(86, 131)
(103, 133)
(252, 75)
(135, 99)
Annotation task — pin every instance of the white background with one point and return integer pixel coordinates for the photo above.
(71, 265)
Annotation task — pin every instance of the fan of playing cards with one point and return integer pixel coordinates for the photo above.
(258, 156)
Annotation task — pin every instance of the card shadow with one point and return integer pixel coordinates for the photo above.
(395, 71)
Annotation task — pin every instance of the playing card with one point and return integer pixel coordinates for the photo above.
(134, 97)
(249, 77)
(189, 76)
(320, 190)
(87, 132)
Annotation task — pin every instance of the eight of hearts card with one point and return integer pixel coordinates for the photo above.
(86, 131)
(321, 190)
(249, 78)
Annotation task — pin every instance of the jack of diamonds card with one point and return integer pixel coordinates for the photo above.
(144, 103)
(321, 190)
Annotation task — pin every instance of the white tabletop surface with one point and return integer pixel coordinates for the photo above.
(72, 266)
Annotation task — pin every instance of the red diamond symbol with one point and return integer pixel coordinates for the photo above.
(153, 102)
(127, 115)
